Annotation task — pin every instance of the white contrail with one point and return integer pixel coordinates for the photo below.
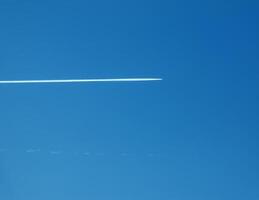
(80, 80)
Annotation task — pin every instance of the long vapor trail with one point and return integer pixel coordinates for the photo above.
(79, 80)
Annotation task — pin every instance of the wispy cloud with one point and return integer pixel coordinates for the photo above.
(3, 150)
(55, 152)
(79, 80)
(32, 150)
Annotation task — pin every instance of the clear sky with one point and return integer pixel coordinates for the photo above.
(193, 136)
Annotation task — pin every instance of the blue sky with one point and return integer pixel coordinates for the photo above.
(192, 136)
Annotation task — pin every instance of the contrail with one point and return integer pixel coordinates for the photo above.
(80, 80)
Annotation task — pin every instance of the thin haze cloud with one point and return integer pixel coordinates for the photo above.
(83, 153)
(55, 152)
(32, 150)
(79, 80)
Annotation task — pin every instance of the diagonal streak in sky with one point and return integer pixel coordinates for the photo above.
(79, 80)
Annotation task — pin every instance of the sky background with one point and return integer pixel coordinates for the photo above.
(193, 136)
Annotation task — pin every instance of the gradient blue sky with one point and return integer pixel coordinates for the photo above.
(201, 122)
